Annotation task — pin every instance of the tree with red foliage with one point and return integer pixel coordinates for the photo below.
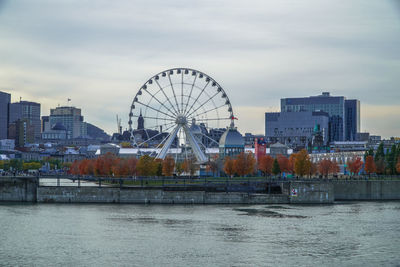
(284, 163)
(370, 166)
(74, 169)
(168, 166)
(244, 163)
(229, 166)
(265, 163)
(313, 168)
(398, 165)
(324, 167)
(190, 166)
(335, 169)
(132, 163)
(354, 166)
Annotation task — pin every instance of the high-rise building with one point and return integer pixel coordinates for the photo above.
(22, 131)
(26, 110)
(344, 115)
(352, 112)
(5, 100)
(70, 118)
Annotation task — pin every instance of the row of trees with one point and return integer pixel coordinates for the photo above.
(21, 165)
(110, 165)
(298, 163)
(382, 163)
(243, 164)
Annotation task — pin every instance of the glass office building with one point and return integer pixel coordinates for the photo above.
(344, 115)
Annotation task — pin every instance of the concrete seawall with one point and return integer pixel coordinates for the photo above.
(366, 190)
(16, 189)
(150, 196)
(293, 192)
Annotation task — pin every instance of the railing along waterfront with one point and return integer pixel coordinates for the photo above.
(237, 184)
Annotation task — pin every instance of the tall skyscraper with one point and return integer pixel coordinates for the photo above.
(352, 111)
(5, 100)
(70, 118)
(26, 110)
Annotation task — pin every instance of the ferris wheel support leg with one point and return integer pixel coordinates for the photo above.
(168, 143)
(200, 156)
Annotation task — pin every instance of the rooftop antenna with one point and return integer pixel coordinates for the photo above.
(119, 127)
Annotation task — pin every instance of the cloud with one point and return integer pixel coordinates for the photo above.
(99, 54)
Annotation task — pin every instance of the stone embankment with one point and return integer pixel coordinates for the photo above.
(293, 192)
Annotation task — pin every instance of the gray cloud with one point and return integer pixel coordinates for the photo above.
(100, 52)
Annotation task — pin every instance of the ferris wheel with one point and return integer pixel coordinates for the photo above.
(179, 108)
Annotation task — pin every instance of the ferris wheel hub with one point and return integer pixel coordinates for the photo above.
(181, 119)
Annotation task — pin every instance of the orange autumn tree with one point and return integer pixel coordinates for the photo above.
(265, 163)
(229, 166)
(326, 167)
(132, 162)
(244, 163)
(370, 166)
(284, 163)
(74, 169)
(146, 166)
(398, 165)
(354, 165)
(168, 166)
(212, 164)
(302, 163)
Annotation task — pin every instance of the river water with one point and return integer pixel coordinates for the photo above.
(344, 234)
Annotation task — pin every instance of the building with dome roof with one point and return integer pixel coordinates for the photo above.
(231, 142)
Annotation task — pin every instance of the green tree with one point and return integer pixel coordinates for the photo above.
(275, 167)
(380, 159)
(391, 159)
(369, 152)
(16, 164)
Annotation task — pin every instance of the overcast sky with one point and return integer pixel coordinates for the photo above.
(99, 53)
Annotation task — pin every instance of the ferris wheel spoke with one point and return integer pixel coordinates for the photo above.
(204, 88)
(210, 138)
(173, 91)
(201, 157)
(201, 105)
(168, 142)
(149, 139)
(162, 104)
(182, 91)
(166, 114)
(190, 94)
(215, 108)
(160, 124)
(162, 90)
(214, 119)
(155, 118)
